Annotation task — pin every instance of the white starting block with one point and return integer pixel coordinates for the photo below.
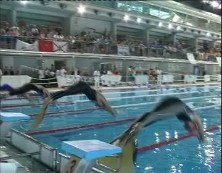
(8, 119)
(8, 168)
(85, 152)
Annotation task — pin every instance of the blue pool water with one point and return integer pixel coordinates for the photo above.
(182, 156)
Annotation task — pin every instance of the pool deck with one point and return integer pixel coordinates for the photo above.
(28, 165)
(24, 164)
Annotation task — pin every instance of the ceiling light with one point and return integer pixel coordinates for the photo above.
(81, 9)
(208, 34)
(23, 2)
(176, 18)
(178, 28)
(190, 24)
(138, 20)
(170, 26)
(126, 17)
(214, 4)
(205, 1)
(160, 24)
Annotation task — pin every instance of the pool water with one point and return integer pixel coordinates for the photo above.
(183, 156)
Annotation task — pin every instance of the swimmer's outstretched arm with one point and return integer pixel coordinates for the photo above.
(103, 104)
(29, 87)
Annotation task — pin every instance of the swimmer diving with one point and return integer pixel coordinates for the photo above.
(167, 108)
(80, 87)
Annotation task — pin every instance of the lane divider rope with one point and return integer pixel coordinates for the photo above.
(172, 140)
(88, 126)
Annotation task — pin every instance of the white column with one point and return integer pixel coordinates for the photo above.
(146, 35)
(13, 17)
(114, 29)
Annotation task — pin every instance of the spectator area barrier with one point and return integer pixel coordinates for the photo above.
(190, 78)
(207, 78)
(106, 80)
(68, 80)
(219, 78)
(141, 79)
(110, 80)
(15, 80)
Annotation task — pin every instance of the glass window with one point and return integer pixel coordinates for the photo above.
(178, 17)
(157, 12)
(109, 4)
(130, 6)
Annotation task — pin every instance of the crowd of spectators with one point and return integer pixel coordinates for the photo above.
(9, 71)
(91, 41)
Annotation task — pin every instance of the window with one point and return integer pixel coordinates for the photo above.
(130, 6)
(160, 13)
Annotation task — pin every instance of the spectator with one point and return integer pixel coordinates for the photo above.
(1, 72)
(182, 76)
(109, 72)
(84, 72)
(14, 31)
(131, 73)
(11, 71)
(5, 71)
(35, 31)
(63, 71)
(115, 71)
(41, 74)
(47, 73)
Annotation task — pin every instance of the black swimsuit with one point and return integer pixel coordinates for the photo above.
(25, 88)
(80, 87)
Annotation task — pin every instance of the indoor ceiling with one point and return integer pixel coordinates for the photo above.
(203, 5)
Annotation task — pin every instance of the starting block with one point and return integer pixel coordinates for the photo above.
(8, 167)
(8, 119)
(85, 152)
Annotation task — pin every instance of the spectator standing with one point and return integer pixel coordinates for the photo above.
(96, 75)
(11, 71)
(63, 72)
(41, 74)
(115, 71)
(5, 71)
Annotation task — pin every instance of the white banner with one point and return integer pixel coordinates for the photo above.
(191, 58)
(21, 45)
(219, 61)
(60, 46)
(123, 50)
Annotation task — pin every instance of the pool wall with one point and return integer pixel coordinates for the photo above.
(46, 154)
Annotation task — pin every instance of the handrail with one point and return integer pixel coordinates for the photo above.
(18, 155)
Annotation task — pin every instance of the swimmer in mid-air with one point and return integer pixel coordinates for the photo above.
(80, 87)
(128, 140)
(10, 91)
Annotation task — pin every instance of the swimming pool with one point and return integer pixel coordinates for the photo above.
(182, 156)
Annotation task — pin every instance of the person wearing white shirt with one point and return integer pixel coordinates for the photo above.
(63, 72)
(41, 74)
(96, 75)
